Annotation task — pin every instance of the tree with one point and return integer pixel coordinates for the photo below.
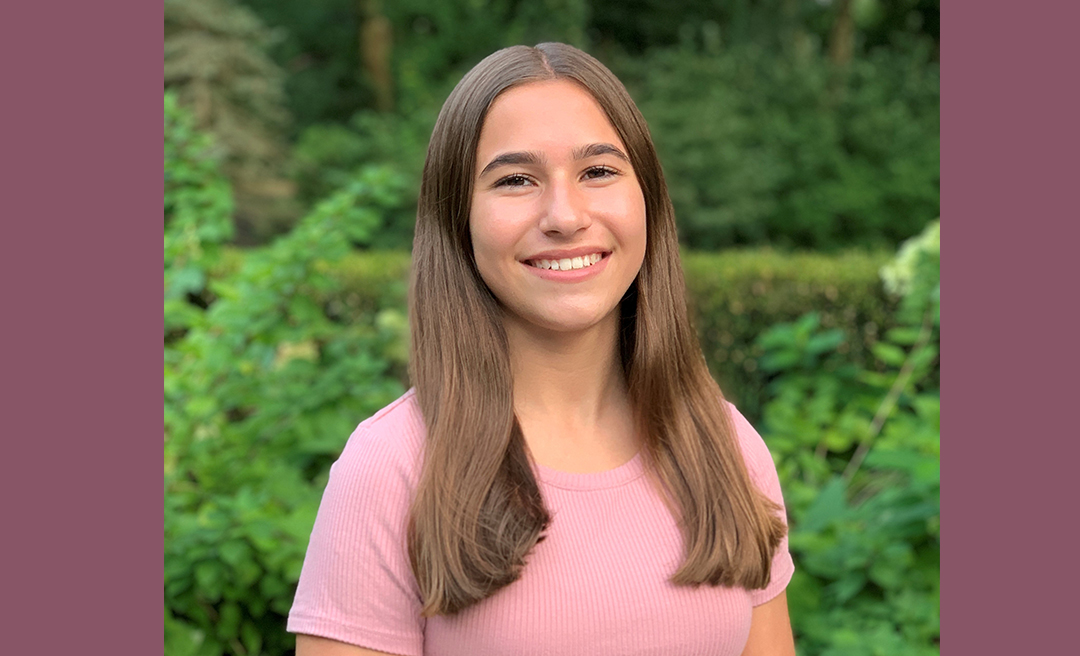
(216, 62)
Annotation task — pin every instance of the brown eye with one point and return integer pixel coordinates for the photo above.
(516, 180)
(598, 172)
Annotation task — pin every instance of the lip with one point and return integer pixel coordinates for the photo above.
(570, 275)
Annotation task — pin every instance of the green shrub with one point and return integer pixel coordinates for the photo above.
(858, 455)
(327, 156)
(198, 214)
(366, 282)
(737, 295)
(260, 394)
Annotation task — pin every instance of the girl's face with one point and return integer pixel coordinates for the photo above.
(558, 216)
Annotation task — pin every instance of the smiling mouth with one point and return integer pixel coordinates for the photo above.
(567, 263)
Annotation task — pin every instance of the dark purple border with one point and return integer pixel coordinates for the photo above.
(82, 182)
(81, 158)
(1009, 171)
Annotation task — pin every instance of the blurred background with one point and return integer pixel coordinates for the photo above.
(800, 141)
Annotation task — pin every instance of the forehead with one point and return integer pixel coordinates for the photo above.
(550, 114)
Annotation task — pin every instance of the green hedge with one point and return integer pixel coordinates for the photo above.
(734, 296)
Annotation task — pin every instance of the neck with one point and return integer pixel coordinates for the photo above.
(570, 395)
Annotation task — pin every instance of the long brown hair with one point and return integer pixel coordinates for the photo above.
(478, 508)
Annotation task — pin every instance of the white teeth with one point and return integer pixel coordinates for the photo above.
(566, 263)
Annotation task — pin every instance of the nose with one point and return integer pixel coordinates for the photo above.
(565, 211)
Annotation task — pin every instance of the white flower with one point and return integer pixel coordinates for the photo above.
(897, 275)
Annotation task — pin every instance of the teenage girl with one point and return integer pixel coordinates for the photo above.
(565, 477)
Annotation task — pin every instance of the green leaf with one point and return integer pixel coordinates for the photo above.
(889, 354)
(208, 578)
(180, 282)
(844, 589)
(904, 336)
(234, 552)
(928, 408)
(829, 505)
(779, 361)
(250, 637)
(228, 620)
(825, 342)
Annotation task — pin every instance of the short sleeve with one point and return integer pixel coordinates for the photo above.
(356, 585)
(762, 470)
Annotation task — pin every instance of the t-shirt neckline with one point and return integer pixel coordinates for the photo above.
(624, 473)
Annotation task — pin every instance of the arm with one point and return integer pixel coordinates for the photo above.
(308, 645)
(770, 630)
(770, 627)
(356, 586)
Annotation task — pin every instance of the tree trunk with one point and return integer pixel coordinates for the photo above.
(841, 45)
(376, 38)
(842, 38)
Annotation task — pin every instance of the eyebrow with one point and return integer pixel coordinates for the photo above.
(534, 158)
(597, 149)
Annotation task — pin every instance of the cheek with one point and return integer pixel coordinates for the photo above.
(499, 225)
(635, 234)
(628, 222)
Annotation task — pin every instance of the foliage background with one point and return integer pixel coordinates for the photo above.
(800, 143)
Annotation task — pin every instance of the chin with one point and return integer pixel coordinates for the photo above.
(571, 320)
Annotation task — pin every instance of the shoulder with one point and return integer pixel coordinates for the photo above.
(387, 446)
(356, 585)
(759, 461)
(370, 487)
(755, 451)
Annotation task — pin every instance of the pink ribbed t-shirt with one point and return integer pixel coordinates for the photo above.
(597, 584)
